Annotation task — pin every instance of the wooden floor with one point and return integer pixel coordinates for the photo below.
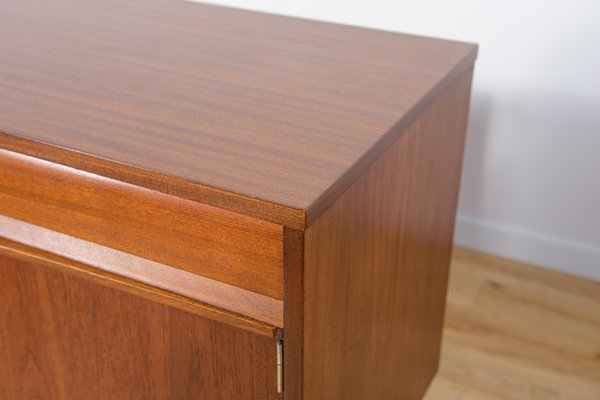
(514, 331)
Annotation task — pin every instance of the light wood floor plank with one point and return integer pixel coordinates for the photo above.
(518, 332)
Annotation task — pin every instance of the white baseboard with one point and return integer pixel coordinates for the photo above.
(519, 244)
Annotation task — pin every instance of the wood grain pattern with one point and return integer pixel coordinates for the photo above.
(197, 238)
(65, 338)
(193, 293)
(514, 331)
(239, 178)
(376, 265)
(293, 242)
(265, 115)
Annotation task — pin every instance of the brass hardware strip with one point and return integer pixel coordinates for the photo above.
(280, 366)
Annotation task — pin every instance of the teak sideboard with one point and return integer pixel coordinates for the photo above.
(199, 202)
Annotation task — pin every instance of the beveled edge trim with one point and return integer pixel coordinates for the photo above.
(158, 282)
(236, 249)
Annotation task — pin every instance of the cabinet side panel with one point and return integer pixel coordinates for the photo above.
(376, 265)
(64, 337)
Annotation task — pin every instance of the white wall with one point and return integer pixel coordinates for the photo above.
(531, 182)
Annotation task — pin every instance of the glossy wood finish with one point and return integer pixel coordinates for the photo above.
(293, 242)
(264, 115)
(193, 293)
(206, 181)
(515, 331)
(197, 238)
(65, 338)
(376, 265)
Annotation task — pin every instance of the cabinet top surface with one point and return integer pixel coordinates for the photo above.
(273, 109)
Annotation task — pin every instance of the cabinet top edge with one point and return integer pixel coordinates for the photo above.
(264, 115)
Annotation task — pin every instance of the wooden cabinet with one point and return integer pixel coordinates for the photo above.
(199, 202)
